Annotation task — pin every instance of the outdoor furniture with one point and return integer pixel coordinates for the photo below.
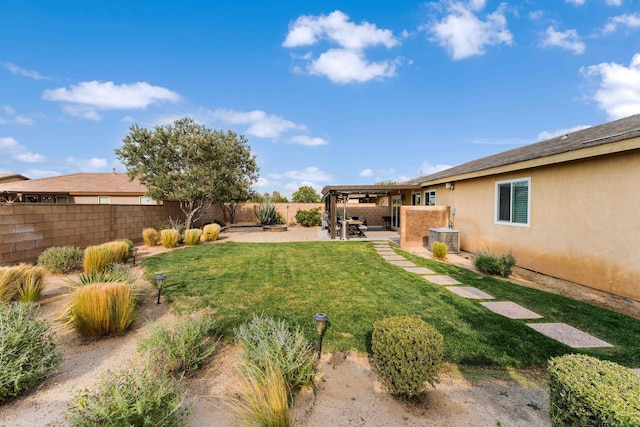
(386, 222)
(357, 228)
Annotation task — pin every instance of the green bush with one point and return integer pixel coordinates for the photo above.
(182, 347)
(271, 344)
(62, 259)
(309, 218)
(439, 250)
(131, 397)
(27, 350)
(407, 352)
(192, 236)
(267, 213)
(211, 232)
(585, 391)
(488, 263)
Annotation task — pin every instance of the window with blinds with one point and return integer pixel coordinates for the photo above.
(513, 201)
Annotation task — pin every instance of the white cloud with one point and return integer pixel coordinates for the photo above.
(13, 68)
(39, 173)
(87, 98)
(629, 20)
(567, 40)
(427, 168)
(576, 2)
(366, 173)
(347, 63)
(19, 152)
(346, 66)
(311, 174)
(94, 164)
(544, 135)
(536, 15)
(261, 124)
(463, 34)
(619, 91)
(614, 2)
(288, 182)
(308, 141)
(12, 117)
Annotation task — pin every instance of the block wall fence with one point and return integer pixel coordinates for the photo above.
(28, 229)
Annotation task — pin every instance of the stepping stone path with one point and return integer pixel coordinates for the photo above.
(469, 292)
(562, 332)
(511, 310)
(568, 335)
(442, 280)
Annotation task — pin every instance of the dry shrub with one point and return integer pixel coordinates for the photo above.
(170, 237)
(98, 258)
(192, 236)
(121, 252)
(101, 309)
(21, 282)
(210, 232)
(150, 236)
(439, 250)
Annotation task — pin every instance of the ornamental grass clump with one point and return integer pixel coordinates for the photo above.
(192, 236)
(585, 391)
(100, 309)
(22, 283)
(272, 343)
(121, 251)
(211, 232)
(131, 397)
(28, 352)
(407, 353)
(170, 237)
(98, 258)
(62, 259)
(439, 250)
(182, 347)
(151, 237)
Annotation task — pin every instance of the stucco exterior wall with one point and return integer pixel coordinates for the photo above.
(28, 229)
(584, 221)
(418, 220)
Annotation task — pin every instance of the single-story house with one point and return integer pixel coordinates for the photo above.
(78, 188)
(568, 207)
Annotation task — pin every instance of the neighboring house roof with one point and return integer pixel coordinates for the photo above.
(78, 184)
(555, 148)
(10, 177)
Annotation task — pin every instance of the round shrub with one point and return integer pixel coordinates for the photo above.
(150, 236)
(310, 218)
(192, 236)
(439, 250)
(27, 350)
(121, 251)
(62, 259)
(407, 352)
(211, 232)
(170, 237)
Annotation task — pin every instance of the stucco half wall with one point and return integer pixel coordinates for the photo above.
(417, 220)
(584, 222)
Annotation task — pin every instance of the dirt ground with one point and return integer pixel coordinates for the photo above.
(346, 392)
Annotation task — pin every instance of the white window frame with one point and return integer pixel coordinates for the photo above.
(427, 197)
(496, 211)
(146, 200)
(104, 200)
(413, 199)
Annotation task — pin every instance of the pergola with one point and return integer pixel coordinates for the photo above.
(333, 193)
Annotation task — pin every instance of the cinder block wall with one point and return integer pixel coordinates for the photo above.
(415, 222)
(28, 229)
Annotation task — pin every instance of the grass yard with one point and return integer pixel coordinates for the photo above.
(352, 284)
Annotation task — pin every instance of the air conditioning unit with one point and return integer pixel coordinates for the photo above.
(448, 236)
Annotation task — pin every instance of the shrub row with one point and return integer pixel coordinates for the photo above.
(585, 391)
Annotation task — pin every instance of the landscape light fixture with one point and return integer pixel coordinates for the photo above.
(321, 324)
(160, 278)
(134, 251)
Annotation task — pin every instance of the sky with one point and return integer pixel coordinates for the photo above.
(326, 92)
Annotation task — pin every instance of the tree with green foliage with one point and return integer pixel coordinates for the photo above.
(389, 182)
(306, 194)
(276, 197)
(190, 163)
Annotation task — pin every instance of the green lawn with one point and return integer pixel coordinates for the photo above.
(352, 284)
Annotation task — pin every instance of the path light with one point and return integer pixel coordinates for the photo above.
(134, 251)
(160, 278)
(321, 324)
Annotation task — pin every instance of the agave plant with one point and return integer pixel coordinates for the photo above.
(267, 213)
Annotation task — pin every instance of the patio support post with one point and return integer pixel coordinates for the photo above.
(332, 214)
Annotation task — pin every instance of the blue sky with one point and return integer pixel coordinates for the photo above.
(326, 92)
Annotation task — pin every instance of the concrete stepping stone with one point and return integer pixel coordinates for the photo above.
(386, 252)
(394, 258)
(419, 270)
(511, 310)
(469, 292)
(404, 263)
(637, 371)
(442, 280)
(568, 335)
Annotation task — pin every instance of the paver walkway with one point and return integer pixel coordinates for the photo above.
(559, 331)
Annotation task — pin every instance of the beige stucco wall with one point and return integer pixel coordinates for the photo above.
(418, 220)
(584, 223)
